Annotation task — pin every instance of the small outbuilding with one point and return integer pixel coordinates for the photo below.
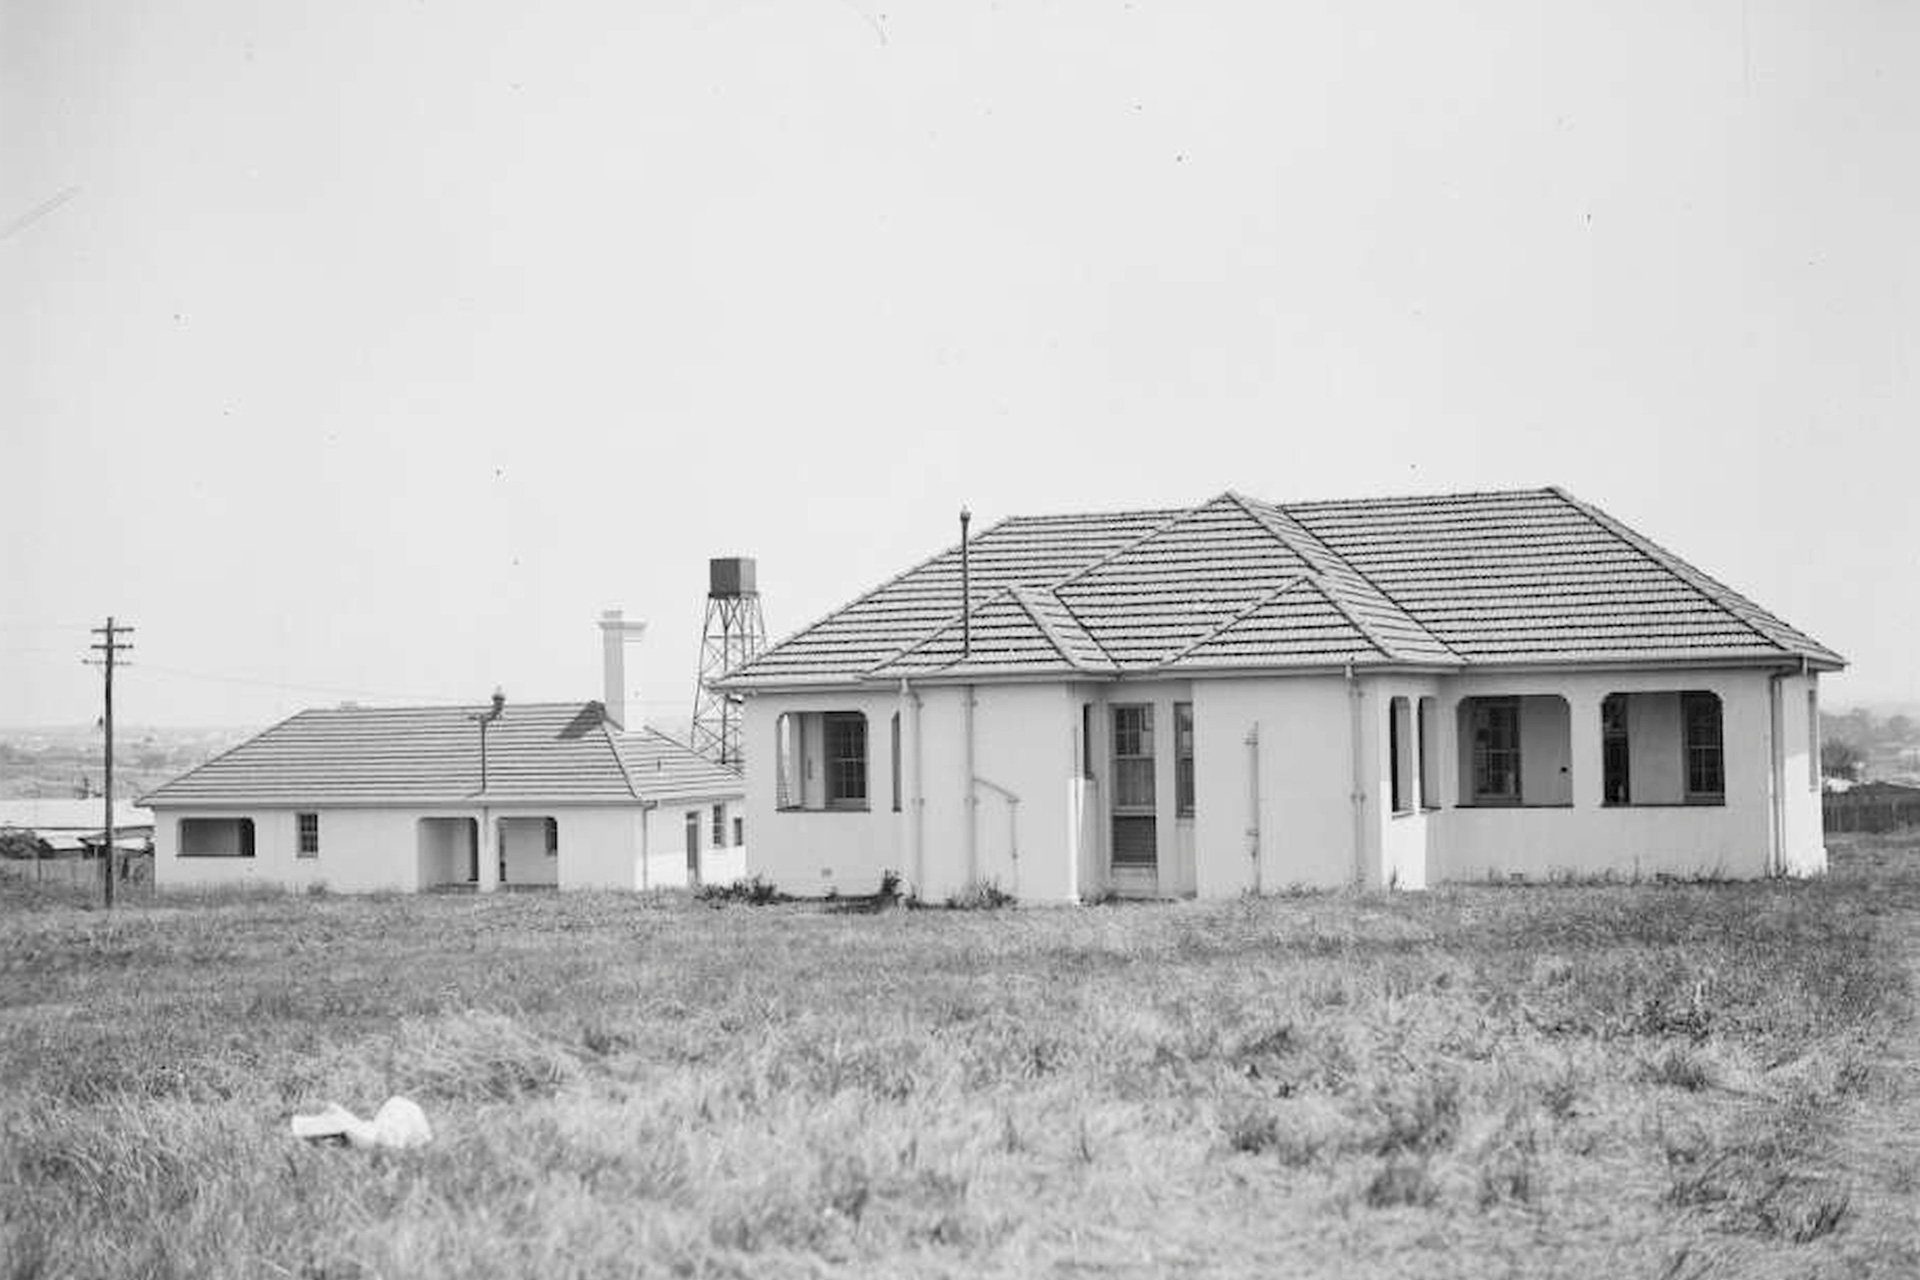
(408, 798)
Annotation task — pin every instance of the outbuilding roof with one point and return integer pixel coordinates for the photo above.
(667, 771)
(540, 752)
(1234, 584)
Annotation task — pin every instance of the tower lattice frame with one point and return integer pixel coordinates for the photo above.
(734, 634)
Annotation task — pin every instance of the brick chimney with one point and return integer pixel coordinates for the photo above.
(615, 634)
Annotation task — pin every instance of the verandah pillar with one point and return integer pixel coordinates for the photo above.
(1585, 751)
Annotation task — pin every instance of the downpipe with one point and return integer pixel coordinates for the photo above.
(1253, 799)
(1358, 795)
(973, 793)
(916, 799)
(1776, 778)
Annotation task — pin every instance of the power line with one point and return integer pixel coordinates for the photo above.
(337, 690)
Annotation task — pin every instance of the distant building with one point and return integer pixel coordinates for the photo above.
(68, 828)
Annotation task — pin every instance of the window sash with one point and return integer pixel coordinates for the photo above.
(1704, 746)
(1616, 776)
(1396, 780)
(1496, 752)
(309, 838)
(846, 751)
(719, 826)
(1133, 782)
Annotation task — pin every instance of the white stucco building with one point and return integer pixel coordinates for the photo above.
(1244, 696)
(372, 798)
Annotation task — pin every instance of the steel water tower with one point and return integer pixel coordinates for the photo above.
(734, 634)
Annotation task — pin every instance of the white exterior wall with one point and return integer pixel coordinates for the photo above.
(599, 847)
(1803, 832)
(1305, 822)
(665, 858)
(1323, 814)
(1397, 844)
(812, 851)
(361, 850)
(523, 853)
(371, 849)
(1029, 820)
(1586, 838)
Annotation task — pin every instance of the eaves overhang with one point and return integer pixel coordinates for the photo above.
(461, 803)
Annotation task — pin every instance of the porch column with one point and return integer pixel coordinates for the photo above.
(1447, 738)
(1584, 749)
(489, 837)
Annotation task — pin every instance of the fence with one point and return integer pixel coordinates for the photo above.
(1845, 811)
(76, 873)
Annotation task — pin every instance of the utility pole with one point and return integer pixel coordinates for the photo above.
(110, 648)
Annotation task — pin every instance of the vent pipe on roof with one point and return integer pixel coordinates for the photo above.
(966, 592)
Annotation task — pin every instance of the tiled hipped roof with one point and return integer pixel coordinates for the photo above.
(1236, 584)
(564, 752)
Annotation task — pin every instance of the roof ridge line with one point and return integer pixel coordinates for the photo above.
(1046, 628)
(1319, 576)
(1180, 517)
(1710, 589)
(864, 596)
(1366, 632)
(1242, 614)
(1430, 497)
(619, 757)
(1353, 569)
(1320, 549)
(937, 629)
(1081, 622)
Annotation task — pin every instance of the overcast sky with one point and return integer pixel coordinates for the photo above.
(370, 350)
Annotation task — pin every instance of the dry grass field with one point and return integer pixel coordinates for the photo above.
(1594, 1080)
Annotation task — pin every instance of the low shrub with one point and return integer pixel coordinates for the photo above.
(980, 895)
(754, 891)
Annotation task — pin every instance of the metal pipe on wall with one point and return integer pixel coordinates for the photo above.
(972, 793)
(1359, 793)
(1253, 789)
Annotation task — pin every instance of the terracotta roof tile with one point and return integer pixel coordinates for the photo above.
(1520, 576)
(536, 752)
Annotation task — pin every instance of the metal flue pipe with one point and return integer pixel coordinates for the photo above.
(966, 589)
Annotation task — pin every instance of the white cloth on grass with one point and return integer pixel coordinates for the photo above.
(399, 1123)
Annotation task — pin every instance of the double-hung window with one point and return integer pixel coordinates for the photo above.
(1496, 751)
(1706, 757)
(821, 762)
(309, 829)
(846, 752)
